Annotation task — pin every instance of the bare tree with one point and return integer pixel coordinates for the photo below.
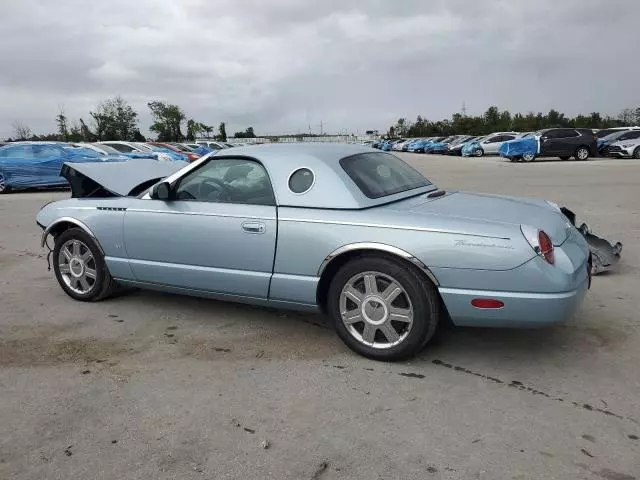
(22, 132)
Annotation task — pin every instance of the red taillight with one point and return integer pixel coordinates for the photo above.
(546, 247)
(193, 156)
(487, 303)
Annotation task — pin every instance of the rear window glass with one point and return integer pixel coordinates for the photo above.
(379, 174)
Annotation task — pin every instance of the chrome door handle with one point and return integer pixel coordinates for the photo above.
(254, 227)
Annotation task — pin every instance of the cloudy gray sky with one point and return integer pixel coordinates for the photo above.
(280, 65)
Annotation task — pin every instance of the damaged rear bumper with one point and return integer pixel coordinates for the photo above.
(604, 255)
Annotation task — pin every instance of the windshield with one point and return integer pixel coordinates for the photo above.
(107, 149)
(607, 131)
(614, 135)
(156, 148)
(183, 148)
(380, 174)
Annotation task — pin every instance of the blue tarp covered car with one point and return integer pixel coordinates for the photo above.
(38, 164)
(472, 148)
(527, 149)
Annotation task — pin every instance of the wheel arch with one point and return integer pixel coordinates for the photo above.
(339, 257)
(65, 223)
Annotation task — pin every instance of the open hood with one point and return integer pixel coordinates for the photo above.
(116, 179)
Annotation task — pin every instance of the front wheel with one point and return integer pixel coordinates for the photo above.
(382, 308)
(80, 267)
(478, 152)
(582, 153)
(528, 157)
(636, 153)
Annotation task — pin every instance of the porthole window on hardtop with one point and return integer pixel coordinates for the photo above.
(301, 180)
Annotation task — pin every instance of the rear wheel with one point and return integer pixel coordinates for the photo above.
(4, 188)
(565, 157)
(528, 157)
(382, 308)
(582, 153)
(636, 153)
(80, 267)
(478, 152)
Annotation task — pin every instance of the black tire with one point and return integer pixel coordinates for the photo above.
(636, 153)
(4, 188)
(528, 157)
(565, 157)
(421, 292)
(478, 152)
(104, 285)
(583, 152)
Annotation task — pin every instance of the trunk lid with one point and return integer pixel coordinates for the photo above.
(496, 209)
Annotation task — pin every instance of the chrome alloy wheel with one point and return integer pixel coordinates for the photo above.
(3, 184)
(376, 310)
(582, 153)
(77, 266)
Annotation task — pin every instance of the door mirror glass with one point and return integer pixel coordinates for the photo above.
(161, 191)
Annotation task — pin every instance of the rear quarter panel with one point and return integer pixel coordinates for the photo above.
(307, 236)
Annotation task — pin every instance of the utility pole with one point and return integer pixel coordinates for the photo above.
(464, 108)
(320, 127)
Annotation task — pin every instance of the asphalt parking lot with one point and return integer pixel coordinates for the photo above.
(159, 386)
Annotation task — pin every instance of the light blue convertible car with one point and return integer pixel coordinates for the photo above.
(341, 229)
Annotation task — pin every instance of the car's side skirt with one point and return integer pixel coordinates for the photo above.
(283, 304)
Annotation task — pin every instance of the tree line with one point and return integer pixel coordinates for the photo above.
(115, 119)
(494, 120)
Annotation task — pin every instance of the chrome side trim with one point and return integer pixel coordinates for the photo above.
(377, 246)
(202, 214)
(75, 222)
(518, 295)
(393, 227)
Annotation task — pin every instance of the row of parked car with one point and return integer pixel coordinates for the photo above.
(565, 143)
(38, 164)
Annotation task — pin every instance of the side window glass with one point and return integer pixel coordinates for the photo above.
(301, 180)
(568, 133)
(227, 181)
(630, 135)
(506, 138)
(121, 148)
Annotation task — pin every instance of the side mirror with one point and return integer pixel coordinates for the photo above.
(161, 191)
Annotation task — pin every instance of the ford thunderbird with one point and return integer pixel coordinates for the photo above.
(342, 229)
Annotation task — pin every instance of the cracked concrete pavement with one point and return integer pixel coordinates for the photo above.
(160, 386)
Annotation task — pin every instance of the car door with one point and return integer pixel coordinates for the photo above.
(492, 144)
(549, 142)
(503, 138)
(216, 233)
(561, 141)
